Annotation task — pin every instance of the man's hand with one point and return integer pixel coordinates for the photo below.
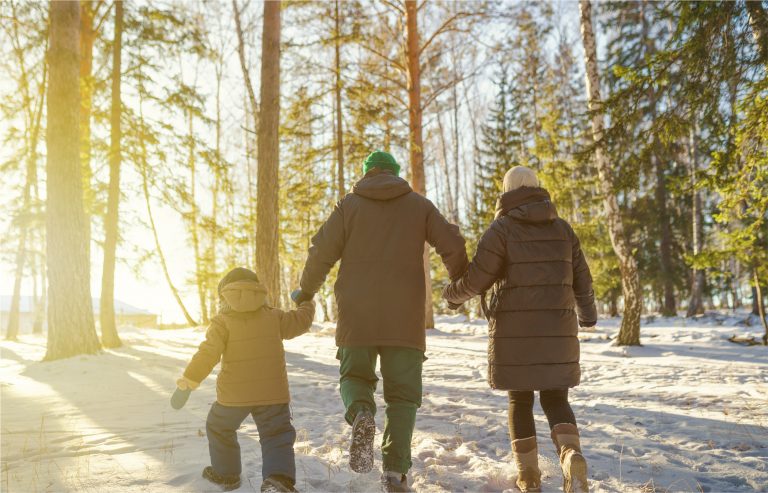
(299, 296)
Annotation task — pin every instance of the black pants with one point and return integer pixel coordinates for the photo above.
(276, 436)
(554, 403)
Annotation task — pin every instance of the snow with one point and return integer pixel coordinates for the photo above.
(688, 411)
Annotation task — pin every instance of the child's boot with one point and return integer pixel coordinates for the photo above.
(278, 483)
(361, 449)
(393, 481)
(526, 455)
(566, 438)
(227, 483)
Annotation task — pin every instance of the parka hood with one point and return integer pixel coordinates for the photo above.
(381, 184)
(243, 296)
(527, 204)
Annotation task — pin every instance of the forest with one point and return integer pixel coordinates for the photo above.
(244, 122)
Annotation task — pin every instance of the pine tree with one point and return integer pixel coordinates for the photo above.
(71, 329)
(109, 336)
(500, 151)
(629, 334)
(267, 204)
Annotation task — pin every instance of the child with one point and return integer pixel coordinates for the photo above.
(247, 336)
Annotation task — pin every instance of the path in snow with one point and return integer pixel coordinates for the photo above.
(686, 412)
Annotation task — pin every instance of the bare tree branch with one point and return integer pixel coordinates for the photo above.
(243, 64)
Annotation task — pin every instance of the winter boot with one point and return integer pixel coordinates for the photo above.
(277, 484)
(227, 483)
(566, 438)
(392, 481)
(361, 449)
(526, 455)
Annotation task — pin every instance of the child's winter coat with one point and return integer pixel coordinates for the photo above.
(247, 336)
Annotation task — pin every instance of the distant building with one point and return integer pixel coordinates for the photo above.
(126, 314)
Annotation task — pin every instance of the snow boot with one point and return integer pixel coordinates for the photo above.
(227, 483)
(277, 484)
(566, 438)
(393, 481)
(361, 449)
(526, 455)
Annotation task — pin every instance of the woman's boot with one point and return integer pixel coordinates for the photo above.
(566, 438)
(526, 455)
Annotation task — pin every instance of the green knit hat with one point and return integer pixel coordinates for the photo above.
(381, 159)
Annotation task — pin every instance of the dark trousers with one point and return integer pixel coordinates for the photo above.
(276, 436)
(555, 405)
(401, 371)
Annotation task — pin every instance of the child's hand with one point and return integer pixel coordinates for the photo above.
(184, 383)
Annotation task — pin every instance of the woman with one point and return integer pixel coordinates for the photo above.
(542, 292)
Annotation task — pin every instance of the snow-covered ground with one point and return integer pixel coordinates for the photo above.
(686, 412)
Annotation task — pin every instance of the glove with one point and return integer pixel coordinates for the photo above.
(179, 398)
(454, 306)
(299, 296)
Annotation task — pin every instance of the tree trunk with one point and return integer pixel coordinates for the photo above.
(629, 333)
(695, 303)
(444, 164)
(71, 328)
(42, 303)
(87, 40)
(758, 21)
(243, 64)
(416, 143)
(143, 166)
(337, 93)
(31, 177)
(12, 332)
(200, 275)
(267, 185)
(214, 233)
(668, 304)
(109, 336)
(760, 305)
(33, 118)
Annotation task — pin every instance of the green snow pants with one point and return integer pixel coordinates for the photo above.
(401, 371)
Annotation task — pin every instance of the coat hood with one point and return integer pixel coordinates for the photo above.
(381, 184)
(527, 204)
(243, 296)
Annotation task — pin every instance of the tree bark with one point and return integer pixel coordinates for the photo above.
(87, 39)
(34, 117)
(629, 333)
(218, 170)
(416, 141)
(200, 275)
(337, 93)
(143, 166)
(760, 305)
(71, 328)
(243, 64)
(758, 21)
(267, 186)
(109, 336)
(695, 303)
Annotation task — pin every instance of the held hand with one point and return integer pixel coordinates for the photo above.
(454, 306)
(298, 296)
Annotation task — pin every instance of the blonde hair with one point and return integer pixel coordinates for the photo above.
(520, 176)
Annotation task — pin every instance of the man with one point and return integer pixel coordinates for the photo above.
(378, 231)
